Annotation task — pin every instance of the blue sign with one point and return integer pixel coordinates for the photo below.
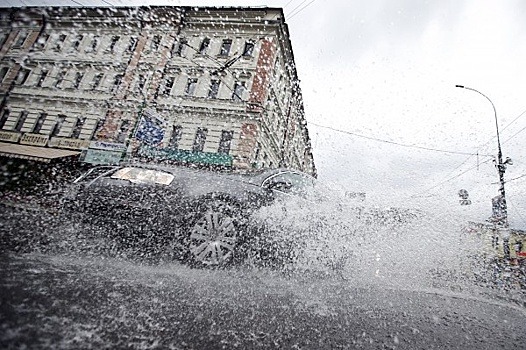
(151, 129)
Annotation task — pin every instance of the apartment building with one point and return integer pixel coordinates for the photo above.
(208, 86)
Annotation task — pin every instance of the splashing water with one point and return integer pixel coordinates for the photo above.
(373, 244)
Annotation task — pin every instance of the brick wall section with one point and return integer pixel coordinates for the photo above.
(159, 68)
(108, 131)
(246, 144)
(8, 43)
(261, 82)
(111, 125)
(127, 80)
(30, 40)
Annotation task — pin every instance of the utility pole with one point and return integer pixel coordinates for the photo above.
(501, 168)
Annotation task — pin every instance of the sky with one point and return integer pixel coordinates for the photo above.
(378, 79)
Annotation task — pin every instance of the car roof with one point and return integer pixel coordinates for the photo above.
(254, 176)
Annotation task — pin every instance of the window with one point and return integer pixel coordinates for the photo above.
(200, 138)
(214, 89)
(3, 73)
(249, 49)
(21, 120)
(141, 83)
(225, 47)
(289, 182)
(132, 45)
(43, 75)
(100, 124)
(4, 117)
(60, 78)
(256, 155)
(22, 76)
(41, 42)
(60, 42)
(177, 133)
(94, 44)
(39, 122)
(96, 81)
(179, 49)
(239, 89)
(78, 127)
(3, 38)
(58, 125)
(224, 143)
(116, 82)
(204, 46)
(168, 85)
(114, 41)
(76, 43)
(123, 131)
(156, 41)
(78, 80)
(190, 86)
(20, 39)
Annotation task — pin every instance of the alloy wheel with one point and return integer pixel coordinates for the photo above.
(213, 237)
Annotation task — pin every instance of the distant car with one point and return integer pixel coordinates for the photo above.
(203, 213)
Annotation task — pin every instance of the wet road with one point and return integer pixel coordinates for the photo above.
(77, 300)
(65, 302)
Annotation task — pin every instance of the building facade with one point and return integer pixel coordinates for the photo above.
(208, 86)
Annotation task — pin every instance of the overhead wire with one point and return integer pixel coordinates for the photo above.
(78, 3)
(513, 121)
(419, 147)
(295, 8)
(518, 132)
(287, 4)
(516, 178)
(482, 145)
(504, 128)
(398, 143)
(300, 10)
(108, 3)
(444, 181)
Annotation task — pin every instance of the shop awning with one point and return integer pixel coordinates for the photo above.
(41, 154)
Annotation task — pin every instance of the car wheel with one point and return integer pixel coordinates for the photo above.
(214, 234)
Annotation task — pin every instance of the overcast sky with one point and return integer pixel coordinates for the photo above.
(386, 70)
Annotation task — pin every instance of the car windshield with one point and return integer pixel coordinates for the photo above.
(143, 176)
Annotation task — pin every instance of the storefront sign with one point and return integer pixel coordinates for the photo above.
(108, 146)
(34, 139)
(97, 156)
(61, 142)
(9, 136)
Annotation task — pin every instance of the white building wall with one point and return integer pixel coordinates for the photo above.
(216, 114)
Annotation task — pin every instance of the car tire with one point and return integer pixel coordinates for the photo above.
(214, 234)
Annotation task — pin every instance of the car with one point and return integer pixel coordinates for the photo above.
(204, 216)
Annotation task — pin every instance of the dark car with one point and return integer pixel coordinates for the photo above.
(204, 215)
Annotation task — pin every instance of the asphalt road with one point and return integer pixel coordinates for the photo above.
(80, 299)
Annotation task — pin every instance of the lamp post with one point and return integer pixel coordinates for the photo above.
(501, 166)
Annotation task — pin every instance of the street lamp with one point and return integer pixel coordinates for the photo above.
(501, 166)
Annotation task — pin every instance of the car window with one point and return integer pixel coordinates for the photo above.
(145, 176)
(289, 182)
(93, 174)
